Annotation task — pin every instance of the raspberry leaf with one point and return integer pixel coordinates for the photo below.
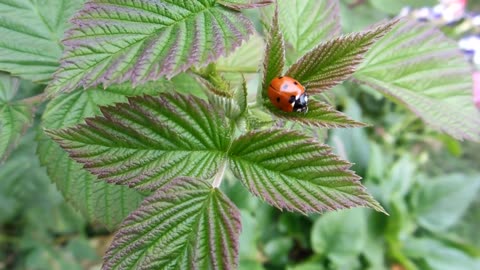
(113, 41)
(294, 172)
(244, 4)
(417, 66)
(149, 141)
(184, 225)
(334, 61)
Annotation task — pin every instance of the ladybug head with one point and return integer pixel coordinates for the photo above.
(300, 104)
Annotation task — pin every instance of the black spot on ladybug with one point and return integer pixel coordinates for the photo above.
(295, 82)
(278, 99)
(285, 87)
(291, 99)
(280, 77)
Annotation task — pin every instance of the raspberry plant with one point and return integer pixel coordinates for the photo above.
(131, 141)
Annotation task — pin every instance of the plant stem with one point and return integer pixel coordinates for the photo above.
(219, 176)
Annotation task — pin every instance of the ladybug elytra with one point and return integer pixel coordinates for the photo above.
(288, 94)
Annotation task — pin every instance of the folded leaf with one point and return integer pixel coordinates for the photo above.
(334, 61)
(418, 67)
(185, 225)
(31, 32)
(148, 141)
(294, 172)
(319, 115)
(113, 41)
(274, 55)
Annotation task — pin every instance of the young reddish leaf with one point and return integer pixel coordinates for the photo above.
(148, 141)
(244, 4)
(319, 115)
(113, 41)
(334, 61)
(418, 67)
(292, 171)
(274, 55)
(187, 224)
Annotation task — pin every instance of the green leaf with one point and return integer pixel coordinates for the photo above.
(439, 256)
(243, 4)
(417, 66)
(185, 225)
(274, 55)
(308, 23)
(148, 141)
(440, 203)
(335, 60)
(294, 172)
(31, 31)
(97, 200)
(15, 117)
(117, 40)
(340, 234)
(319, 114)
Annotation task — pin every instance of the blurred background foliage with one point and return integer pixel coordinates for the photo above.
(428, 182)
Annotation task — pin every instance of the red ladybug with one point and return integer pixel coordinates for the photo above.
(288, 94)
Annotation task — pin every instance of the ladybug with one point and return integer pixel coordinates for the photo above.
(288, 94)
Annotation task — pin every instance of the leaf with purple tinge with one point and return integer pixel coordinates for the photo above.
(187, 224)
(98, 201)
(294, 172)
(244, 4)
(113, 41)
(334, 61)
(274, 61)
(418, 67)
(149, 141)
(319, 114)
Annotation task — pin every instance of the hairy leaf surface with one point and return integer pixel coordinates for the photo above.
(113, 41)
(319, 114)
(31, 32)
(418, 67)
(185, 225)
(334, 61)
(15, 116)
(148, 141)
(274, 55)
(308, 23)
(292, 171)
(97, 200)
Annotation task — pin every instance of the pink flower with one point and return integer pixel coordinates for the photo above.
(476, 88)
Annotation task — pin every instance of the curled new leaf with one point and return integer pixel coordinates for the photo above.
(334, 61)
(294, 172)
(185, 225)
(148, 141)
(113, 41)
(319, 114)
